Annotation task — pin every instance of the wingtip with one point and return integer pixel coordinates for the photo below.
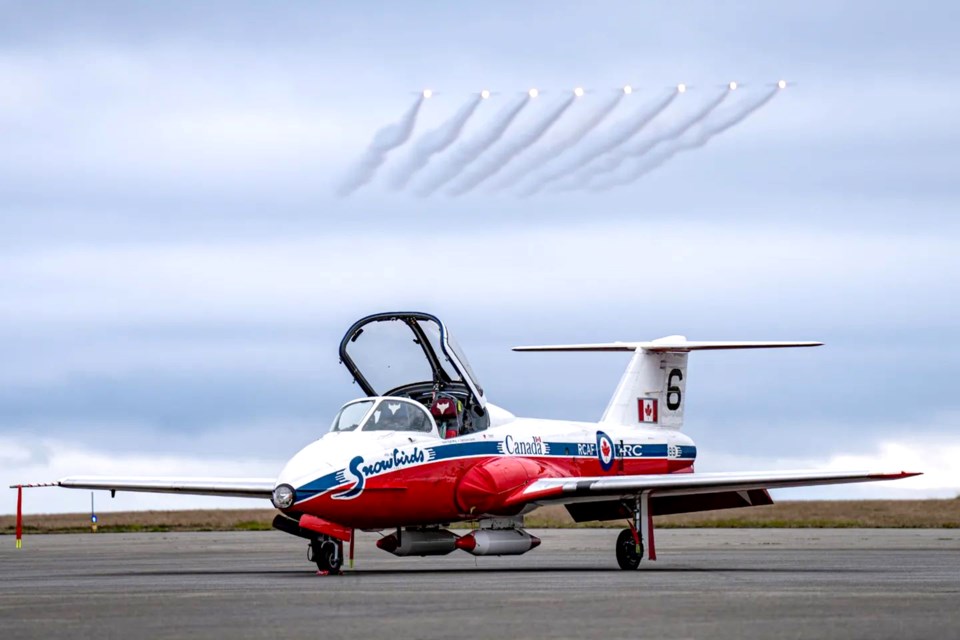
(34, 485)
(896, 475)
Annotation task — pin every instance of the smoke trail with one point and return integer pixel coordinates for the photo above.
(554, 151)
(641, 147)
(702, 138)
(385, 140)
(433, 142)
(468, 151)
(621, 133)
(512, 150)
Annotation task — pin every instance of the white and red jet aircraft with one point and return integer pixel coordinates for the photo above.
(425, 449)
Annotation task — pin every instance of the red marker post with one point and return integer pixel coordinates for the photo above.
(353, 534)
(19, 516)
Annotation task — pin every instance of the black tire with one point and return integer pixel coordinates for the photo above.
(627, 556)
(334, 551)
(315, 554)
(328, 554)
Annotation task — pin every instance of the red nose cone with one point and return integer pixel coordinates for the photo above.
(534, 542)
(467, 542)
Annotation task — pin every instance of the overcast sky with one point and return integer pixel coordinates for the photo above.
(176, 270)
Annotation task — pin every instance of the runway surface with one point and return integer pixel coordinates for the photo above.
(707, 583)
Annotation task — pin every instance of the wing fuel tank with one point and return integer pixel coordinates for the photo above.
(412, 542)
(498, 542)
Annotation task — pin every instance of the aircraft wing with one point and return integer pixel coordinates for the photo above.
(229, 487)
(573, 489)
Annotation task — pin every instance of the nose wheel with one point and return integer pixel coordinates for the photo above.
(327, 553)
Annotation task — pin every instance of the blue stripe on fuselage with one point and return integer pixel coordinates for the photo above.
(452, 450)
(464, 449)
(320, 485)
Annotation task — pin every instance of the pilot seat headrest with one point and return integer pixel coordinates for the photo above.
(444, 407)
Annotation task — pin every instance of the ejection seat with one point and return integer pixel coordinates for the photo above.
(446, 413)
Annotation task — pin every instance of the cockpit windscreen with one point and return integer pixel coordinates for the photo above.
(351, 416)
(398, 415)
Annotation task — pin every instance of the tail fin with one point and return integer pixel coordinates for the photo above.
(652, 388)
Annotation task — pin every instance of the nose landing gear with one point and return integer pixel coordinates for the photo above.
(327, 553)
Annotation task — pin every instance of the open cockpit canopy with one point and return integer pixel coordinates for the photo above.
(411, 354)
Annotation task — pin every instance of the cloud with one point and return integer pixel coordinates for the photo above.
(937, 462)
(120, 120)
(888, 275)
(47, 460)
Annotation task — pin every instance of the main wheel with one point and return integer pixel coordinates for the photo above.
(328, 554)
(628, 555)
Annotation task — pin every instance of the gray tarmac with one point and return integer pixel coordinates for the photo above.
(715, 584)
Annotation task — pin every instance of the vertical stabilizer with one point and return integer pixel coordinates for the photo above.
(651, 391)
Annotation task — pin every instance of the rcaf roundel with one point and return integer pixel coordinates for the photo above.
(605, 450)
(648, 409)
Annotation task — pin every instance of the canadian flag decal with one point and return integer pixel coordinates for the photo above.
(648, 409)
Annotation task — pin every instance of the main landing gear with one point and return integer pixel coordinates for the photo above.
(629, 553)
(327, 553)
(636, 543)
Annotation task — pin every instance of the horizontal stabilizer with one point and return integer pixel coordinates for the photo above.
(652, 389)
(670, 343)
